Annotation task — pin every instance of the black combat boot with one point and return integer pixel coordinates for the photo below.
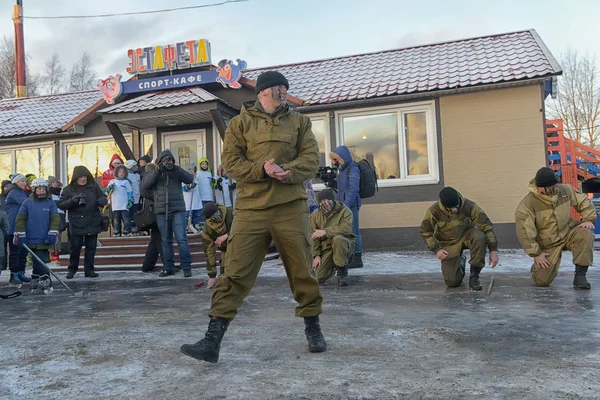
(208, 348)
(316, 341)
(342, 274)
(580, 281)
(356, 261)
(474, 278)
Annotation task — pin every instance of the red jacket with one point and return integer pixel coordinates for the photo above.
(109, 174)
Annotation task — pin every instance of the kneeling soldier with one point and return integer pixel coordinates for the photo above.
(545, 228)
(453, 224)
(333, 240)
(214, 236)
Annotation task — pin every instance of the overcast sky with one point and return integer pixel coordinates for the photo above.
(272, 32)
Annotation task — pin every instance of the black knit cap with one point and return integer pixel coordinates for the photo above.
(269, 79)
(209, 209)
(326, 194)
(545, 177)
(449, 197)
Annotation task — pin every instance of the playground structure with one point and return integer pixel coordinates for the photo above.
(573, 162)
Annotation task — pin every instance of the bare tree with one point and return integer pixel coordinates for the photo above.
(83, 77)
(578, 101)
(53, 79)
(8, 70)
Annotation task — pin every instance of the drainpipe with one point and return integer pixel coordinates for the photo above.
(20, 49)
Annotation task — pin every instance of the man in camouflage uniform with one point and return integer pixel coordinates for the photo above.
(545, 228)
(453, 224)
(270, 150)
(215, 232)
(333, 240)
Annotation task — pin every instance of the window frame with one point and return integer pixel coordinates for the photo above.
(400, 110)
(63, 150)
(154, 139)
(13, 150)
(325, 117)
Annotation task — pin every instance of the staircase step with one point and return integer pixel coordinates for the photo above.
(137, 267)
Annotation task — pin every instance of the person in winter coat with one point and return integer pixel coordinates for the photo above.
(348, 186)
(37, 225)
(310, 194)
(109, 174)
(6, 184)
(135, 179)
(453, 224)
(545, 228)
(204, 178)
(215, 233)
(169, 207)
(193, 200)
(142, 162)
(83, 199)
(154, 248)
(121, 200)
(3, 239)
(55, 188)
(220, 184)
(270, 150)
(333, 239)
(18, 255)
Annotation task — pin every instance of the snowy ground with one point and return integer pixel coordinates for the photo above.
(395, 333)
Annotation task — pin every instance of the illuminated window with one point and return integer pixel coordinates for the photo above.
(38, 161)
(148, 144)
(5, 165)
(400, 142)
(93, 155)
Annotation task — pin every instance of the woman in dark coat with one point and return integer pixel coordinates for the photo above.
(82, 198)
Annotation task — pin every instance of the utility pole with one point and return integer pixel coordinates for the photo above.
(20, 49)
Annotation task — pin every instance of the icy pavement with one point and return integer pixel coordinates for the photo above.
(395, 333)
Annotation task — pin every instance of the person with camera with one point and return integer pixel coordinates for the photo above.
(215, 233)
(270, 150)
(348, 186)
(333, 239)
(169, 207)
(83, 198)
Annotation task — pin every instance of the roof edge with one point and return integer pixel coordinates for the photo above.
(271, 67)
(555, 65)
(391, 99)
(95, 107)
(49, 95)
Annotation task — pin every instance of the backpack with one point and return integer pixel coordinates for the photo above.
(368, 179)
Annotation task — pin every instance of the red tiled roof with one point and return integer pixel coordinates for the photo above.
(457, 64)
(44, 114)
(163, 99)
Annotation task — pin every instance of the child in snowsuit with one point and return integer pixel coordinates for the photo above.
(221, 185)
(109, 174)
(204, 177)
(193, 201)
(134, 179)
(37, 225)
(121, 199)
